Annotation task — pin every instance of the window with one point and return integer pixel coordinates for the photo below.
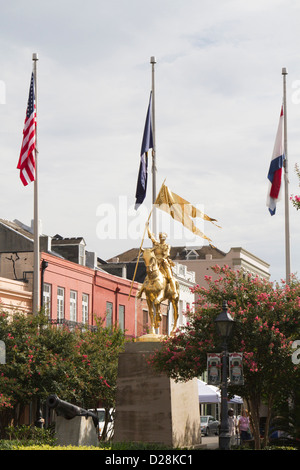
(122, 317)
(164, 325)
(73, 305)
(60, 303)
(81, 255)
(47, 299)
(192, 254)
(85, 308)
(109, 314)
(145, 321)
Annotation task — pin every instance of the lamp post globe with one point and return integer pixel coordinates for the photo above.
(224, 322)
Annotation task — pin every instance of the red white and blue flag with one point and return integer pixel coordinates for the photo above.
(26, 163)
(275, 170)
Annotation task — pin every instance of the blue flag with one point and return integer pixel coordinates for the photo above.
(147, 144)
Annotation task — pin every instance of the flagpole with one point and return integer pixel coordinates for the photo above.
(36, 261)
(286, 184)
(138, 258)
(154, 169)
(146, 226)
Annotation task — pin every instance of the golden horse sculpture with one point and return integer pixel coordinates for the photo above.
(157, 288)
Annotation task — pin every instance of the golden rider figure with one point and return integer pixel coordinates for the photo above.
(162, 253)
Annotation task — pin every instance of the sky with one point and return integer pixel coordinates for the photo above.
(218, 93)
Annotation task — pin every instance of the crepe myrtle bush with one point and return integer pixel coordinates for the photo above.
(296, 199)
(266, 324)
(41, 359)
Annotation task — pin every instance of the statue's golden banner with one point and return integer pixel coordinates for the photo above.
(181, 210)
(160, 284)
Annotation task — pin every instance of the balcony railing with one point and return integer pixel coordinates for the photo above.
(72, 325)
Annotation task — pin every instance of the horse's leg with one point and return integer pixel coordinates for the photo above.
(157, 302)
(157, 318)
(152, 320)
(175, 309)
(139, 294)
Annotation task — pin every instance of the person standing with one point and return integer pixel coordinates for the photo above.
(232, 426)
(244, 427)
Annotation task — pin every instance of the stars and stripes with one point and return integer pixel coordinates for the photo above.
(275, 170)
(26, 163)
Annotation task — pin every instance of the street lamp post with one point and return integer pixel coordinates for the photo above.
(224, 323)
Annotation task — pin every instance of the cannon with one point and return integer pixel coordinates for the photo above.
(69, 411)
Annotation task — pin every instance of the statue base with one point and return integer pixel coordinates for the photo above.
(150, 338)
(151, 407)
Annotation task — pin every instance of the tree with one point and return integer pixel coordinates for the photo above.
(96, 363)
(266, 323)
(42, 359)
(296, 199)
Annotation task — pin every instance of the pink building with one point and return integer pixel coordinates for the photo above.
(74, 287)
(76, 293)
(67, 289)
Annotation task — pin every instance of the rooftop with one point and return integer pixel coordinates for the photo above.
(176, 253)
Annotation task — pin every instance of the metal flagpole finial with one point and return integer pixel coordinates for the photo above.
(152, 60)
(284, 71)
(35, 56)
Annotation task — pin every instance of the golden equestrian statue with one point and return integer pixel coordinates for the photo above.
(159, 283)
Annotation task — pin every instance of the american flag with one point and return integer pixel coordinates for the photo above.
(26, 163)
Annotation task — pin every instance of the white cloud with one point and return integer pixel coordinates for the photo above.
(218, 95)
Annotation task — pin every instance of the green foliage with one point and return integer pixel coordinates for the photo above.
(31, 434)
(134, 446)
(280, 448)
(41, 359)
(296, 199)
(17, 446)
(98, 354)
(6, 444)
(266, 323)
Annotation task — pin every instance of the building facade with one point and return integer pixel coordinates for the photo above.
(200, 260)
(130, 267)
(15, 296)
(75, 290)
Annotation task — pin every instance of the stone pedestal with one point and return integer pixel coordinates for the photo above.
(154, 408)
(78, 431)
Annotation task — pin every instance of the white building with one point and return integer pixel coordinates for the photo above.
(186, 280)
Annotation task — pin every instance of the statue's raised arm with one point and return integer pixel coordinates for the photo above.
(159, 283)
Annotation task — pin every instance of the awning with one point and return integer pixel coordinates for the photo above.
(207, 393)
(212, 394)
(236, 399)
